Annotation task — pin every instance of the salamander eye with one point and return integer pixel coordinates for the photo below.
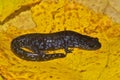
(96, 39)
(91, 45)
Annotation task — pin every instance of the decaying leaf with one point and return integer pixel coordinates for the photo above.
(108, 7)
(96, 5)
(113, 10)
(22, 21)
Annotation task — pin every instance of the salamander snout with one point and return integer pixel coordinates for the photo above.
(93, 44)
(90, 44)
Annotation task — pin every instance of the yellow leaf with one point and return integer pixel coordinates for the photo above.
(8, 7)
(59, 15)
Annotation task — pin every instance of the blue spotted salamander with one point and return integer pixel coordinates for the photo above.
(39, 43)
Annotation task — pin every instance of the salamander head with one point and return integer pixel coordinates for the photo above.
(89, 43)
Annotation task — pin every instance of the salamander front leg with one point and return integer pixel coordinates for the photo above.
(68, 50)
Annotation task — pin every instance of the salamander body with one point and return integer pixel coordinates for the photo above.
(38, 43)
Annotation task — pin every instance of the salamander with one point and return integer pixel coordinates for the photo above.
(39, 43)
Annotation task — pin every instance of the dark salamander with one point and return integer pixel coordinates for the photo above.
(39, 43)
